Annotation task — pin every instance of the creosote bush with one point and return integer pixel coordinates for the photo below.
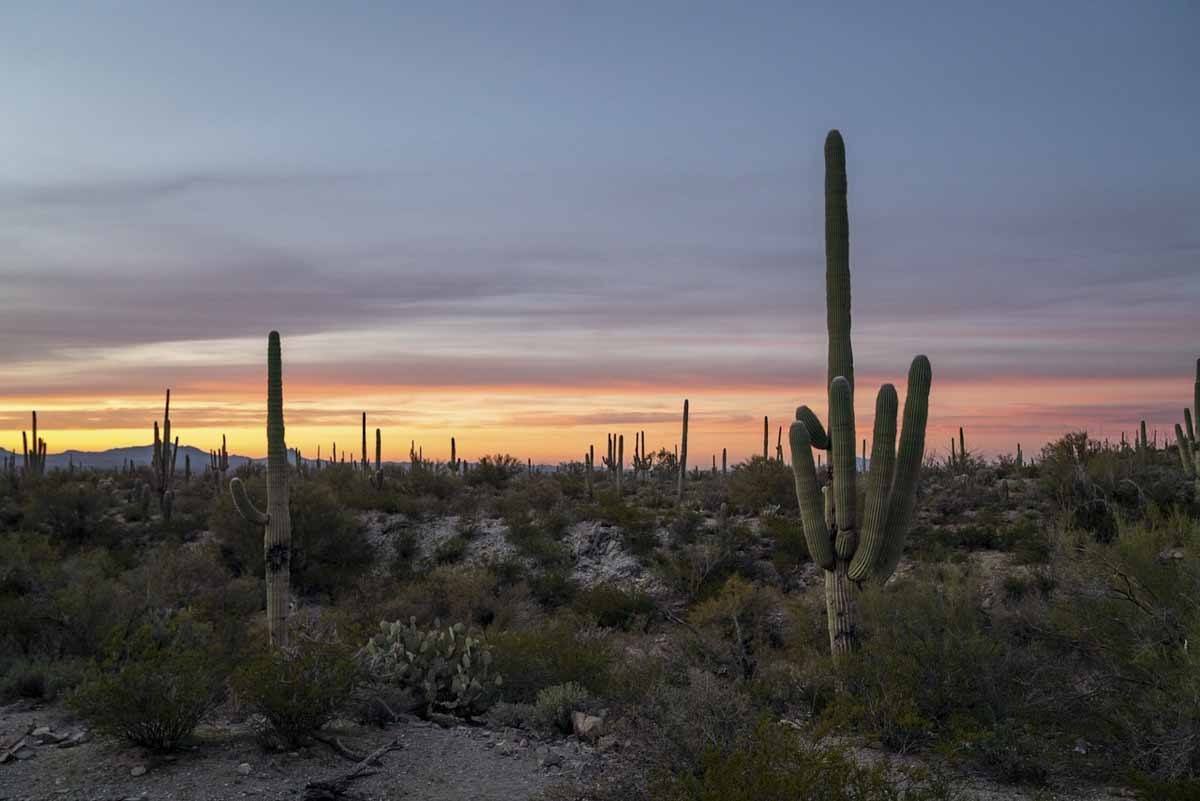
(297, 689)
(154, 687)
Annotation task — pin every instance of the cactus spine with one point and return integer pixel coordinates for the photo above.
(851, 544)
(277, 522)
(683, 455)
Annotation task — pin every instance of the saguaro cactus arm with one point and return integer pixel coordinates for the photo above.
(245, 506)
(879, 484)
(812, 505)
(908, 466)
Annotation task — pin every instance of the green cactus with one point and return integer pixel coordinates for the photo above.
(34, 462)
(1185, 435)
(683, 454)
(454, 464)
(445, 667)
(276, 521)
(162, 463)
(853, 545)
(377, 478)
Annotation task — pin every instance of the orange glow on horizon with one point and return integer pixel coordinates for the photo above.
(554, 423)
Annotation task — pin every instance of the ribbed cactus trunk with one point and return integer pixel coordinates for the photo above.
(620, 462)
(849, 543)
(683, 454)
(766, 436)
(277, 522)
(724, 460)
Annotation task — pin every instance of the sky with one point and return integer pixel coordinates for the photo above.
(526, 224)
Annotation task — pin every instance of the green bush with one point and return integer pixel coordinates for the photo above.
(762, 483)
(41, 679)
(927, 660)
(446, 668)
(614, 607)
(547, 654)
(329, 547)
(155, 686)
(554, 705)
(72, 511)
(297, 690)
(775, 762)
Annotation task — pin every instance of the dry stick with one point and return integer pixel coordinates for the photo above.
(335, 788)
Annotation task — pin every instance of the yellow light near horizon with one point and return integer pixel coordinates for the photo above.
(556, 423)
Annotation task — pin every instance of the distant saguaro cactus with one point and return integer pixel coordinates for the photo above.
(162, 463)
(683, 453)
(35, 462)
(1185, 435)
(850, 544)
(277, 521)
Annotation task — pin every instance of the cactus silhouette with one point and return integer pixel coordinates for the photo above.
(276, 521)
(852, 544)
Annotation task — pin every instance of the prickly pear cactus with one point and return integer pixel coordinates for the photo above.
(447, 668)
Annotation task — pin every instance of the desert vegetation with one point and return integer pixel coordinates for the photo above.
(898, 627)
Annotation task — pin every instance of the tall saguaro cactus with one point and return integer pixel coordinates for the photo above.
(683, 453)
(1185, 435)
(162, 462)
(853, 544)
(34, 461)
(277, 522)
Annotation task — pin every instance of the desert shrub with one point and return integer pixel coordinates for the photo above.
(445, 667)
(514, 716)
(553, 588)
(636, 523)
(475, 595)
(71, 511)
(761, 483)
(555, 652)
(1122, 615)
(298, 689)
(681, 719)
(775, 762)
(329, 547)
(614, 607)
(927, 660)
(737, 625)
(154, 687)
(494, 471)
(787, 535)
(40, 679)
(450, 551)
(554, 705)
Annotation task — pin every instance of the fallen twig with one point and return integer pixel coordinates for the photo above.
(335, 789)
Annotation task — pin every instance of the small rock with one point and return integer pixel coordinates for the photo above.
(137, 770)
(24, 753)
(78, 738)
(244, 769)
(608, 742)
(588, 727)
(504, 748)
(552, 759)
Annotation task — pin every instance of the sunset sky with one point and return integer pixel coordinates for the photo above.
(526, 224)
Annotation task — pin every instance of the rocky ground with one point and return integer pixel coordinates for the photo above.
(457, 763)
(59, 759)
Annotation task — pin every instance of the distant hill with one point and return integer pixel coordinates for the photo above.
(116, 457)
